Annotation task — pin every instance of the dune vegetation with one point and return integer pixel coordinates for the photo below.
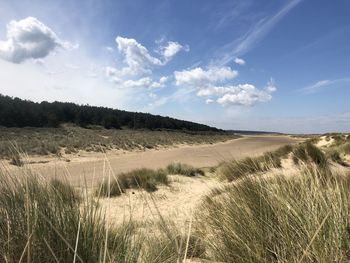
(289, 205)
(70, 139)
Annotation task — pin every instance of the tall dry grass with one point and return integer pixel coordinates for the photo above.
(45, 221)
(302, 218)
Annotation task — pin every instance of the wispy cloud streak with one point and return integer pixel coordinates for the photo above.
(316, 87)
(242, 45)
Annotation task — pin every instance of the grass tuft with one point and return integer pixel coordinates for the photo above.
(335, 157)
(146, 179)
(45, 222)
(297, 219)
(307, 152)
(183, 169)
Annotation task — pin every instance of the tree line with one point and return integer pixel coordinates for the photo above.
(16, 112)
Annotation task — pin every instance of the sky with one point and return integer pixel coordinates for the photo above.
(235, 64)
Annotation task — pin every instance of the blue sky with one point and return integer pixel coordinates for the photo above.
(235, 64)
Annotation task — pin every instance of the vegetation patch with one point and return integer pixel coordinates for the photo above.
(183, 169)
(298, 219)
(146, 179)
(69, 139)
(45, 222)
(236, 169)
(239, 168)
(308, 152)
(335, 157)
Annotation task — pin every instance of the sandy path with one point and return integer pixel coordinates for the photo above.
(200, 156)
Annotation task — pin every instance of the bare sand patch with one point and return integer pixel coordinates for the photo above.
(91, 169)
(324, 142)
(175, 202)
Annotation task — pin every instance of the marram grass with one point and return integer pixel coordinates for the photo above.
(302, 218)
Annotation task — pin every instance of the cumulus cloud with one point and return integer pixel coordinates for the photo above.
(198, 77)
(29, 39)
(245, 95)
(212, 84)
(171, 49)
(137, 58)
(239, 61)
(241, 94)
(146, 82)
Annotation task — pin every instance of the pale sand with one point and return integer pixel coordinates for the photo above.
(176, 202)
(91, 169)
(324, 143)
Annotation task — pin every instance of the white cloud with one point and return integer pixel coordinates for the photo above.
(244, 94)
(29, 39)
(198, 77)
(137, 58)
(214, 91)
(172, 49)
(239, 61)
(211, 83)
(142, 83)
(209, 101)
(163, 79)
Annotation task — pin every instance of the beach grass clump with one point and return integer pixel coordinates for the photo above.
(283, 151)
(308, 152)
(43, 221)
(146, 179)
(303, 218)
(172, 243)
(336, 157)
(183, 169)
(345, 148)
(233, 170)
(270, 160)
